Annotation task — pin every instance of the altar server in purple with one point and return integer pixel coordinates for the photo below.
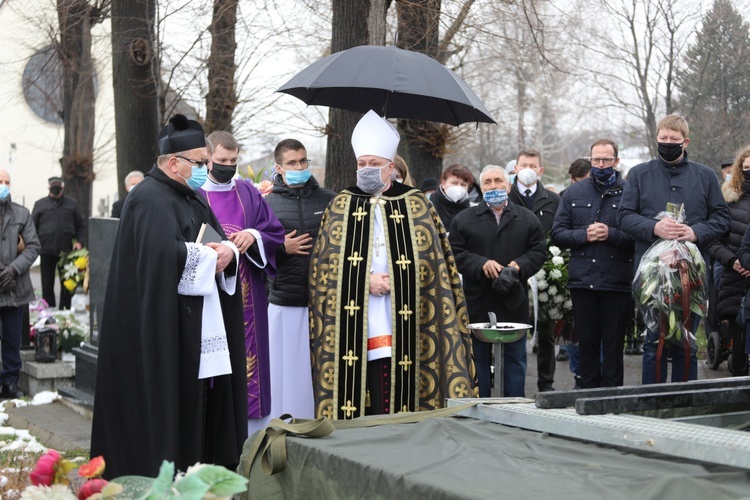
(252, 226)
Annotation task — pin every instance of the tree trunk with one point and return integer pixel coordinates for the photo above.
(222, 97)
(423, 143)
(353, 23)
(77, 162)
(134, 74)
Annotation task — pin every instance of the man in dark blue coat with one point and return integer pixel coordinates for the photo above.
(486, 239)
(672, 178)
(600, 271)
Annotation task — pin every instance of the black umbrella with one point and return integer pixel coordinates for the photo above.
(395, 83)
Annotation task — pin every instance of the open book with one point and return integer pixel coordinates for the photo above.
(207, 234)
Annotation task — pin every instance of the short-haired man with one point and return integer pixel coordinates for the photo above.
(299, 202)
(579, 170)
(252, 226)
(672, 178)
(170, 382)
(130, 181)
(600, 271)
(493, 237)
(529, 192)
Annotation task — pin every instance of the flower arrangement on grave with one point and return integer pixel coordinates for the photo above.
(74, 266)
(71, 333)
(263, 180)
(55, 477)
(670, 284)
(552, 285)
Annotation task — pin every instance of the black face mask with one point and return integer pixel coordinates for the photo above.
(223, 173)
(55, 190)
(670, 152)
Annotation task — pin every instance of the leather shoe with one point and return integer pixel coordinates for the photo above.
(10, 390)
(562, 356)
(547, 388)
(578, 383)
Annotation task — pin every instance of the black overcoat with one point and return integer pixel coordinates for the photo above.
(476, 237)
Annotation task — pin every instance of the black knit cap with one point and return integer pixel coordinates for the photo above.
(181, 135)
(727, 163)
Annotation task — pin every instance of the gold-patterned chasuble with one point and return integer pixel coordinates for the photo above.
(430, 351)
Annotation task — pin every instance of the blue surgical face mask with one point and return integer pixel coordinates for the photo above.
(4, 191)
(729, 178)
(198, 176)
(296, 177)
(496, 197)
(511, 178)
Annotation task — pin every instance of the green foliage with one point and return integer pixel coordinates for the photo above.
(714, 82)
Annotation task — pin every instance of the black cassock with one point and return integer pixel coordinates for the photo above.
(149, 403)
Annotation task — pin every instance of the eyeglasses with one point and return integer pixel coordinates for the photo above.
(607, 161)
(304, 162)
(197, 163)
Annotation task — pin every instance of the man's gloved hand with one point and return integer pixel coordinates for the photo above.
(7, 279)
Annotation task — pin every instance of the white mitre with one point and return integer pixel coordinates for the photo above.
(375, 136)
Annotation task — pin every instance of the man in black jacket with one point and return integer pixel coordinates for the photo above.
(529, 192)
(58, 222)
(600, 272)
(299, 202)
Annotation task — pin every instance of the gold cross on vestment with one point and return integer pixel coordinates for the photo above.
(352, 308)
(403, 262)
(397, 216)
(405, 312)
(461, 390)
(328, 412)
(350, 358)
(359, 214)
(355, 259)
(329, 375)
(420, 238)
(349, 408)
(406, 363)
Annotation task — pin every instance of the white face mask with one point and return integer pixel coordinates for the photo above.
(456, 193)
(526, 176)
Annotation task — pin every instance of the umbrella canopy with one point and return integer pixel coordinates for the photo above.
(395, 83)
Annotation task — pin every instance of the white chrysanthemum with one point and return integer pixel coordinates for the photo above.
(555, 274)
(559, 299)
(568, 305)
(552, 290)
(541, 285)
(558, 261)
(554, 313)
(554, 251)
(540, 275)
(543, 297)
(56, 491)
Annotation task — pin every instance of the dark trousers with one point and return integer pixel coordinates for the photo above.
(48, 271)
(545, 357)
(601, 318)
(11, 318)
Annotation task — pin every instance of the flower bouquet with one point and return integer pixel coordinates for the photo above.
(670, 284)
(74, 268)
(71, 333)
(55, 477)
(552, 285)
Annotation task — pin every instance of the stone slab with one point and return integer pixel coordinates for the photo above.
(55, 425)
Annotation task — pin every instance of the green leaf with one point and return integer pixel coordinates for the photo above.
(221, 482)
(163, 482)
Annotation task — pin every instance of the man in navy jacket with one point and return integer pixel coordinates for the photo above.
(600, 271)
(672, 178)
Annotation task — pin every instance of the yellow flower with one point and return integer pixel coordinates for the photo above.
(70, 284)
(81, 262)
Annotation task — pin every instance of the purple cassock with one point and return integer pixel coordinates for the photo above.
(237, 208)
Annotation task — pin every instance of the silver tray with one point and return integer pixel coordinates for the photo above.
(499, 333)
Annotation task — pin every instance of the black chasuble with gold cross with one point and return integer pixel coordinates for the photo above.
(430, 345)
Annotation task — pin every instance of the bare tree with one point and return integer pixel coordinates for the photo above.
(76, 17)
(222, 98)
(353, 24)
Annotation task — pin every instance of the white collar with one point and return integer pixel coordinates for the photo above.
(212, 185)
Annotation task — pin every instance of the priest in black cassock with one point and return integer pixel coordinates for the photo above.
(171, 382)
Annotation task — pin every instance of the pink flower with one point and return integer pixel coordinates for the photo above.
(265, 187)
(44, 472)
(91, 487)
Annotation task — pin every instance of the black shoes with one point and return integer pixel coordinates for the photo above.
(547, 388)
(562, 355)
(10, 390)
(578, 385)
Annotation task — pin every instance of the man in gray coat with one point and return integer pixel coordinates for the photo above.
(19, 247)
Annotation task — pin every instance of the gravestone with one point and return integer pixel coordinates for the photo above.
(102, 232)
